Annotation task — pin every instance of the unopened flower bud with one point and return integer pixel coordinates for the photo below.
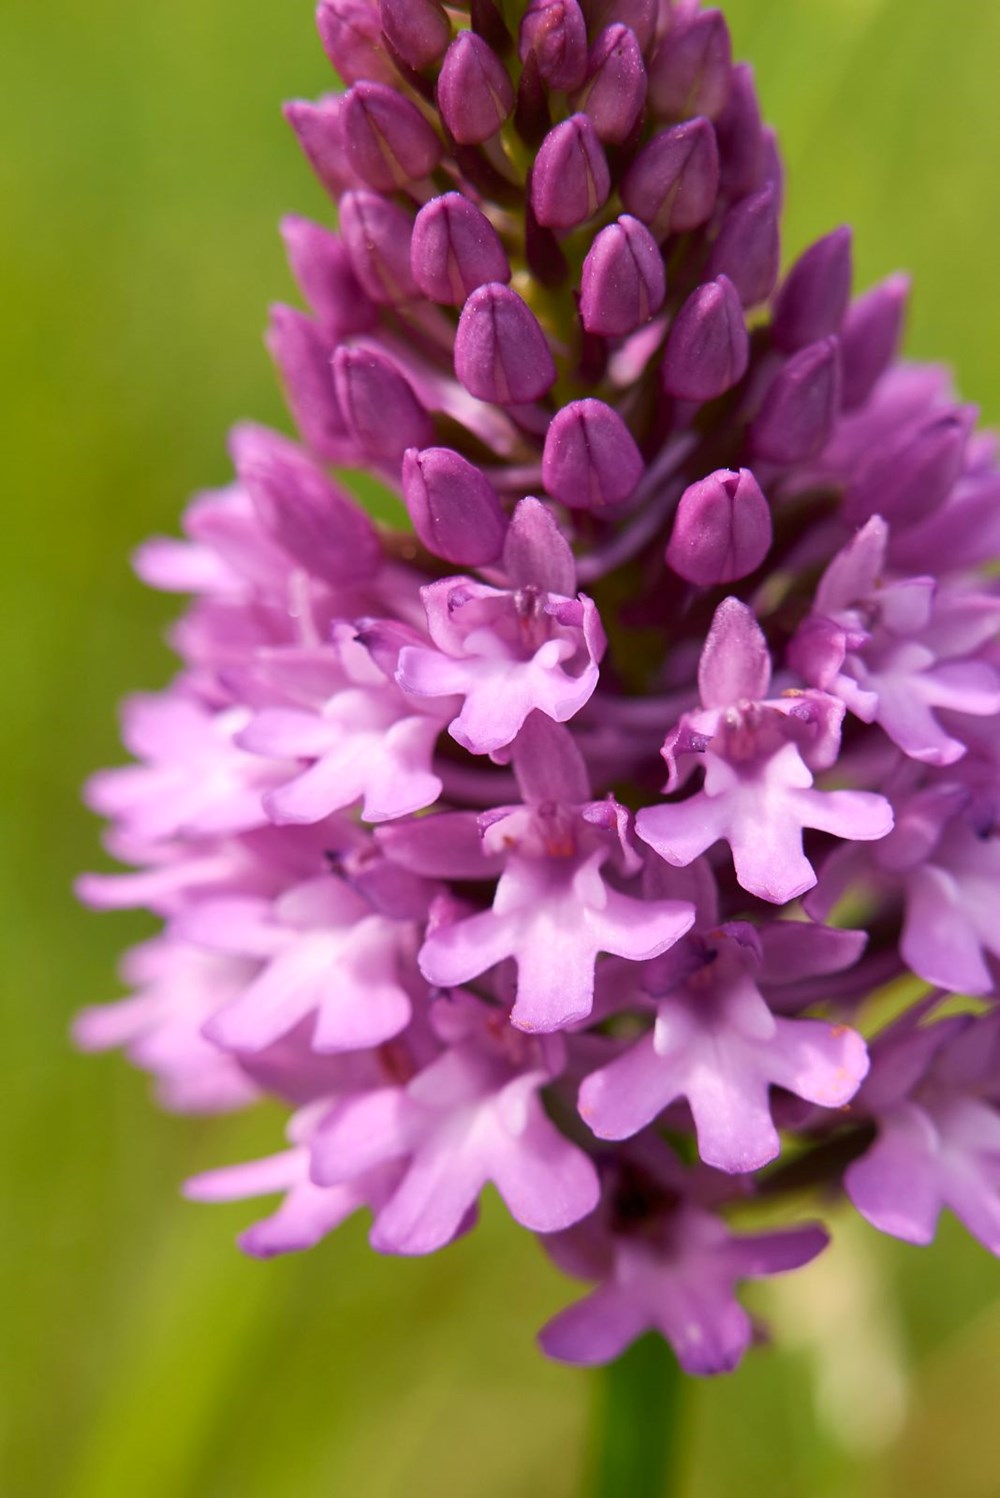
(309, 517)
(591, 461)
(474, 91)
(570, 180)
(454, 509)
(389, 143)
(351, 33)
(536, 554)
(377, 235)
(487, 21)
(623, 282)
(813, 298)
(708, 347)
(773, 170)
(532, 114)
(378, 404)
(615, 90)
(639, 15)
(742, 142)
(722, 529)
(909, 479)
(673, 182)
(690, 70)
(301, 350)
(322, 268)
(320, 131)
(556, 32)
(454, 249)
(871, 336)
(800, 406)
(543, 256)
(748, 249)
(418, 30)
(501, 353)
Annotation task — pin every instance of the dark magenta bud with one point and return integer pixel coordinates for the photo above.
(748, 249)
(615, 90)
(708, 347)
(320, 131)
(556, 32)
(800, 407)
(690, 70)
(673, 182)
(389, 143)
(322, 268)
(742, 145)
(454, 249)
(873, 330)
(542, 253)
(313, 520)
(570, 180)
(351, 33)
(377, 235)
(722, 529)
(379, 407)
(624, 282)
(501, 353)
(474, 91)
(639, 15)
(418, 30)
(487, 21)
(773, 172)
(591, 461)
(454, 509)
(814, 295)
(908, 479)
(532, 115)
(301, 350)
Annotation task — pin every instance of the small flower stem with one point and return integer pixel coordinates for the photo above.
(635, 1434)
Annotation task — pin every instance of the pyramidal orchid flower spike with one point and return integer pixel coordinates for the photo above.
(516, 849)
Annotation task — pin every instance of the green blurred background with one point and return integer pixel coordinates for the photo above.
(144, 166)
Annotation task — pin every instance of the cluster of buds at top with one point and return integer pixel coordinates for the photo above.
(403, 810)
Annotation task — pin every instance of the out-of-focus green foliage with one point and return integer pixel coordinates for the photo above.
(144, 164)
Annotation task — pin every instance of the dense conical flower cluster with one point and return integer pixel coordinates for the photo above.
(561, 841)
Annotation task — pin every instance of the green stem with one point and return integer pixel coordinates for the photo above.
(635, 1438)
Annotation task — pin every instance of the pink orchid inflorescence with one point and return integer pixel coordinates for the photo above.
(403, 810)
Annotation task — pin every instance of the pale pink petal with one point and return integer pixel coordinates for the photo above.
(361, 1132)
(939, 942)
(594, 1330)
(629, 1093)
(822, 1063)
(456, 953)
(894, 1186)
(333, 782)
(429, 1208)
(638, 929)
(681, 831)
(288, 733)
(859, 816)
(547, 1183)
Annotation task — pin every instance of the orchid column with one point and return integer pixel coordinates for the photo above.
(561, 841)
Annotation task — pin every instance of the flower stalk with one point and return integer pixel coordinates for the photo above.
(636, 1444)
